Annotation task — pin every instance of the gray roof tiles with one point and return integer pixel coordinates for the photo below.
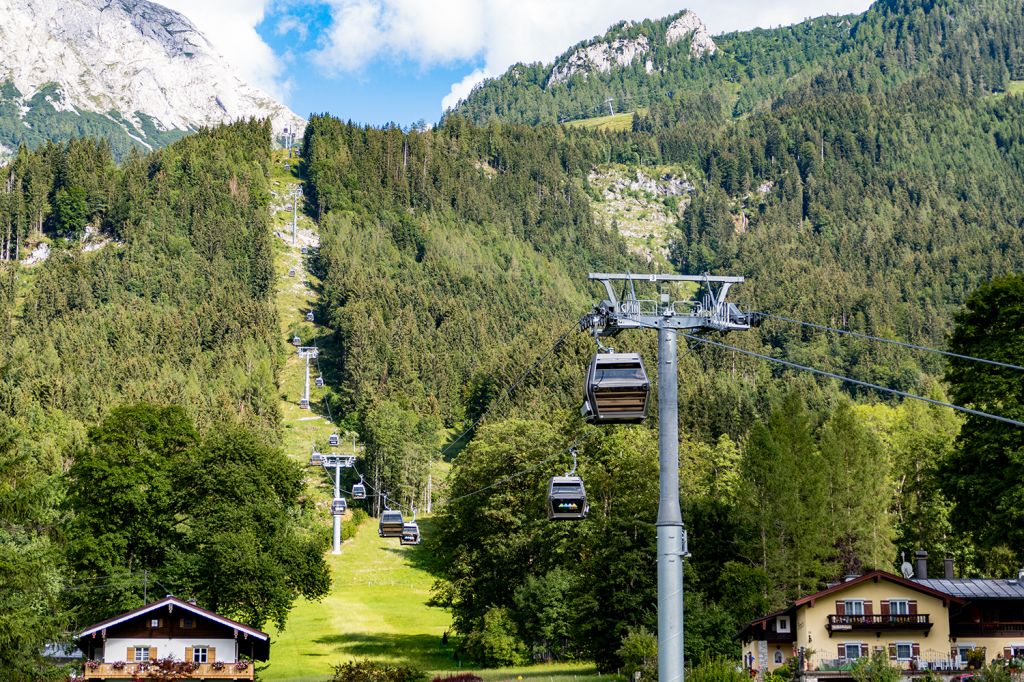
(976, 588)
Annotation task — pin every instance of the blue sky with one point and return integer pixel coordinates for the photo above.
(375, 61)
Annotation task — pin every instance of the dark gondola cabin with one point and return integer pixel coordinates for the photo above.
(391, 524)
(319, 382)
(303, 404)
(339, 506)
(410, 533)
(616, 390)
(333, 440)
(567, 498)
(297, 341)
(314, 459)
(309, 316)
(359, 491)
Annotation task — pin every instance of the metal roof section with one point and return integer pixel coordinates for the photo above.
(976, 588)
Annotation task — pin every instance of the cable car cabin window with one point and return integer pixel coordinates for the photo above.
(629, 372)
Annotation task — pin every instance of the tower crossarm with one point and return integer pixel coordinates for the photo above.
(709, 309)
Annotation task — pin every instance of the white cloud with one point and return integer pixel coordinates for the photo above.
(502, 32)
(231, 26)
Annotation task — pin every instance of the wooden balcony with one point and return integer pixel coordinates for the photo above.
(205, 671)
(842, 623)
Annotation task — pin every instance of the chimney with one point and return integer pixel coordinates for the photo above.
(947, 566)
(921, 559)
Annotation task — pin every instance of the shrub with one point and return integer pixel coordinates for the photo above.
(372, 671)
(875, 668)
(639, 652)
(718, 670)
(495, 642)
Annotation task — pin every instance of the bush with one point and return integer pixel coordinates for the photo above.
(639, 652)
(495, 642)
(372, 671)
(718, 670)
(875, 668)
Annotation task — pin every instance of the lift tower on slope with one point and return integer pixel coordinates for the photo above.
(710, 312)
(308, 353)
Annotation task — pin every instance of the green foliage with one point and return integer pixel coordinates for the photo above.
(70, 212)
(639, 653)
(875, 668)
(372, 671)
(983, 473)
(717, 670)
(212, 517)
(495, 642)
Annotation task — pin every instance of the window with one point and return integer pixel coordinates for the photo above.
(779, 658)
(854, 607)
(154, 623)
(963, 651)
(1017, 651)
(899, 607)
(188, 623)
(904, 651)
(782, 624)
(853, 650)
(141, 653)
(199, 654)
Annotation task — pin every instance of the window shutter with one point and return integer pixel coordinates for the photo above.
(868, 609)
(892, 652)
(1007, 653)
(865, 650)
(211, 654)
(912, 607)
(842, 651)
(131, 654)
(840, 608)
(152, 653)
(954, 653)
(188, 653)
(884, 606)
(915, 650)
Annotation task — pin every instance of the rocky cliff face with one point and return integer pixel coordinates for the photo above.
(604, 54)
(143, 67)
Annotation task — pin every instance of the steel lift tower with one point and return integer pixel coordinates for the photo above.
(710, 312)
(338, 505)
(308, 353)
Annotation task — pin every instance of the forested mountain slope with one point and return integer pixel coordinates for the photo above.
(138, 408)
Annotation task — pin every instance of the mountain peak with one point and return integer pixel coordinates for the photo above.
(628, 42)
(74, 53)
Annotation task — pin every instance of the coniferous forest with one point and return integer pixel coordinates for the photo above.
(861, 172)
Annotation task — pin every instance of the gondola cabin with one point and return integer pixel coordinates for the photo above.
(291, 272)
(314, 459)
(333, 440)
(319, 382)
(567, 498)
(616, 390)
(391, 524)
(309, 316)
(304, 250)
(296, 341)
(339, 506)
(303, 404)
(410, 534)
(359, 491)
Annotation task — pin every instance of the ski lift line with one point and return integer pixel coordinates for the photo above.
(881, 339)
(512, 387)
(858, 382)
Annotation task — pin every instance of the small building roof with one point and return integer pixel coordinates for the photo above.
(252, 632)
(976, 588)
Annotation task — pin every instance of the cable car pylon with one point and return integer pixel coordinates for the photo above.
(710, 312)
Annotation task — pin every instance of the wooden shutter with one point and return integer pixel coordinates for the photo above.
(892, 651)
(884, 607)
(211, 654)
(131, 654)
(915, 650)
(912, 607)
(152, 653)
(840, 608)
(842, 651)
(188, 653)
(868, 609)
(865, 650)
(1007, 653)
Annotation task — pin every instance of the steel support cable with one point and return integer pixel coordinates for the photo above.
(512, 387)
(882, 339)
(858, 382)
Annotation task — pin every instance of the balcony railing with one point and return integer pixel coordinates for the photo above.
(917, 621)
(205, 671)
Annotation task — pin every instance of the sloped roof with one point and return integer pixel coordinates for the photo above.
(976, 588)
(252, 632)
(875, 576)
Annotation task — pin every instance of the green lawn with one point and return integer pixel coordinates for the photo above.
(613, 123)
